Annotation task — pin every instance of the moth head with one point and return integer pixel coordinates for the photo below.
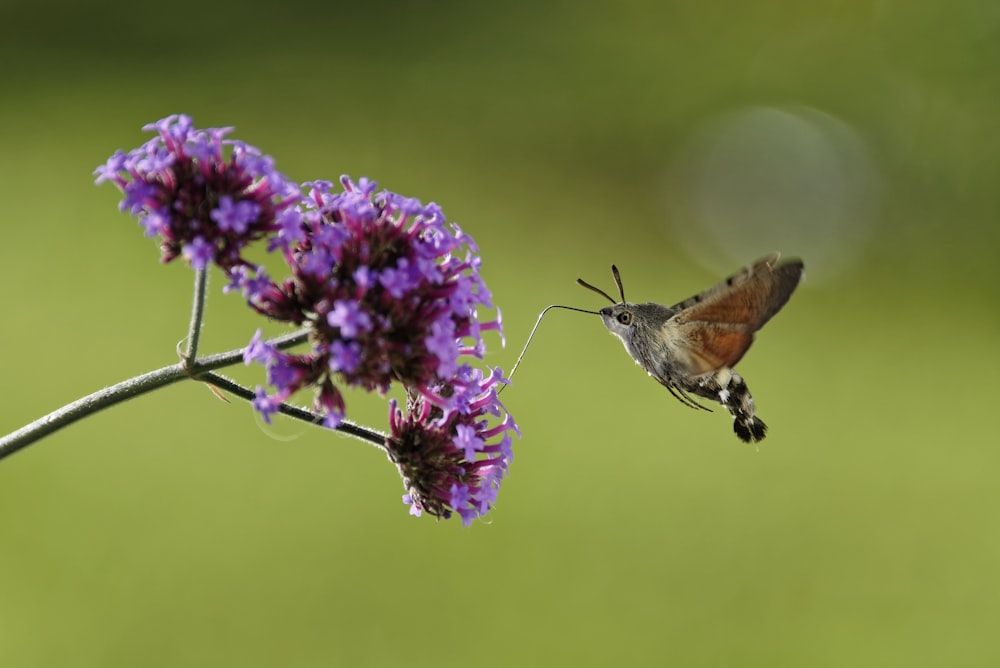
(619, 319)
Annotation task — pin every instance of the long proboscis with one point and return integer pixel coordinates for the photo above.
(532, 335)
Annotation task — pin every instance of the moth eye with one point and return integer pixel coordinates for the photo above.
(625, 318)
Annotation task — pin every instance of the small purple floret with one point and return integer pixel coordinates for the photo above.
(349, 318)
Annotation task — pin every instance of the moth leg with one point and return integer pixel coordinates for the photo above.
(685, 398)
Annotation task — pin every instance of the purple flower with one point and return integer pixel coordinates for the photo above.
(203, 196)
(443, 343)
(349, 318)
(388, 289)
(381, 281)
(250, 281)
(330, 402)
(198, 253)
(467, 441)
(154, 223)
(396, 281)
(345, 356)
(287, 372)
(414, 508)
(265, 405)
(289, 230)
(109, 170)
(453, 460)
(258, 350)
(234, 216)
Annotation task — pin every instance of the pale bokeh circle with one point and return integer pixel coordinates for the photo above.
(765, 179)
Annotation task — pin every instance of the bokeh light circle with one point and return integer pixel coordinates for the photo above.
(762, 179)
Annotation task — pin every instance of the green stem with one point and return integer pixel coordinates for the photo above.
(89, 405)
(197, 315)
(134, 387)
(371, 436)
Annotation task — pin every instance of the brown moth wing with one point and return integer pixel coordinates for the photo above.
(715, 328)
(699, 349)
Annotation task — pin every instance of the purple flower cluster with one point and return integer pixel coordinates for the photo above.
(389, 289)
(203, 196)
(452, 460)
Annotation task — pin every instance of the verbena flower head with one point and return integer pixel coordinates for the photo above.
(204, 197)
(387, 289)
(390, 290)
(453, 459)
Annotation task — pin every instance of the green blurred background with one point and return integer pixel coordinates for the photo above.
(678, 140)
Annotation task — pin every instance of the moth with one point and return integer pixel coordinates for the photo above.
(691, 347)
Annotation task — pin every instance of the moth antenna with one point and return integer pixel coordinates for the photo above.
(587, 285)
(618, 280)
(532, 335)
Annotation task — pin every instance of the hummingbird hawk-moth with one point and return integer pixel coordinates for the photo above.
(691, 347)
